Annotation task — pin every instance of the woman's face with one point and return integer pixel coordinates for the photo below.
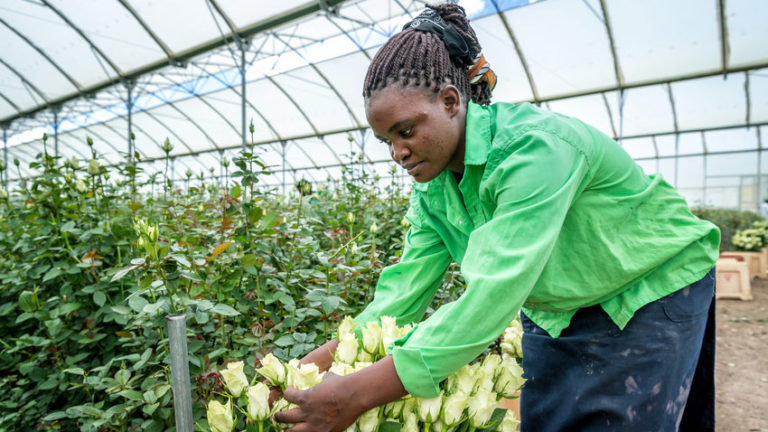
(424, 131)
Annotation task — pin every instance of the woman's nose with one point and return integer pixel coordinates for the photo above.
(399, 152)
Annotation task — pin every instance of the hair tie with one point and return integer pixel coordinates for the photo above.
(481, 71)
(429, 21)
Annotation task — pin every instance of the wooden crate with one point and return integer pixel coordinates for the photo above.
(733, 279)
(756, 261)
(512, 405)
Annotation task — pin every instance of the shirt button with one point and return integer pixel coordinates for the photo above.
(461, 222)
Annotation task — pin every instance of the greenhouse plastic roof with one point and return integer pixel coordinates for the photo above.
(666, 78)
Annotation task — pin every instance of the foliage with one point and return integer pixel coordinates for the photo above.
(729, 221)
(86, 282)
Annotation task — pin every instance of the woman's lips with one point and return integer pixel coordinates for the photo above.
(413, 168)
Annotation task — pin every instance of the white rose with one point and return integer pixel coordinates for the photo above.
(390, 332)
(481, 407)
(346, 329)
(429, 409)
(341, 369)
(454, 406)
(303, 376)
(510, 378)
(220, 416)
(394, 409)
(371, 337)
(234, 378)
(411, 422)
(369, 421)
(258, 401)
(272, 369)
(360, 365)
(346, 351)
(509, 423)
(364, 357)
(464, 380)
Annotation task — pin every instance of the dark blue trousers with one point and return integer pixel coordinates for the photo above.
(655, 375)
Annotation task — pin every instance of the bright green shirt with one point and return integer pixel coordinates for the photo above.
(550, 215)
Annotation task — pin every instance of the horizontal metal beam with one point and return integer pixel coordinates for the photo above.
(709, 129)
(259, 27)
(669, 80)
(724, 152)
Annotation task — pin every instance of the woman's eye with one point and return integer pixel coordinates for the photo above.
(406, 133)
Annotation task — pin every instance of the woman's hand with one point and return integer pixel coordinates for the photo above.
(336, 402)
(327, 407)
(321, 356)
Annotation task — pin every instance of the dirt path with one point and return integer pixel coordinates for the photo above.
(741, 370)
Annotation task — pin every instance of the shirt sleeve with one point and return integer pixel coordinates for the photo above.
(405, 290)
(533, 188)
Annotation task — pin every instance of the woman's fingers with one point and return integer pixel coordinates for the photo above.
(294, 415)
(275, 393)
(294, 395)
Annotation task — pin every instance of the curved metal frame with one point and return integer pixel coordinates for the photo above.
(40, 51)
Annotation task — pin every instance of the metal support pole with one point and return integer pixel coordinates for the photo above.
(242, 44)
(55, 131)
(182, 390)
(704, 183)
(677, 156)
(5, 155)
(760, 195)
(129, 107)
(284, 185)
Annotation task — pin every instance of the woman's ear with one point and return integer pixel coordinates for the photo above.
(451, 99)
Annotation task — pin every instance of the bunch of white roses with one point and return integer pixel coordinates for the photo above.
(467, 401)
(512, 340)
(750, 239)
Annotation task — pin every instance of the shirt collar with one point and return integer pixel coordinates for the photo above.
(478, 135)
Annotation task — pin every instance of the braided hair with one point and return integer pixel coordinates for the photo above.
(417, 59)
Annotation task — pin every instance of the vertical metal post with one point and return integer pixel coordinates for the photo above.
(677, 156)
(182, 390)
(704, 182)
(55, 131)
(285, 188)
(221, 167)
(242, 44)
(5, 154)
(760, 195)
(129, 107)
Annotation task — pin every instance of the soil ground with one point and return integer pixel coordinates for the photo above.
(741, 369)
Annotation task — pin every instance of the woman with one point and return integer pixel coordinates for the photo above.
(612, 271)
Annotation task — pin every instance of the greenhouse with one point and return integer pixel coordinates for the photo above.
(215, 160)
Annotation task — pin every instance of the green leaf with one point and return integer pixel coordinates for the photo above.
(28, 301)
(49, 384)
(201, 317)
(125, 270)
(235, 192)
(132, 395)
(285, 340)
(99, 298)
(68, 307)
(144, 357)
(122, 376)
(52, 273)
(181, 259)
(137, 303)
(56, 415)
(390, 426)
(225, 310)
(121, 310)
(74, 371)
